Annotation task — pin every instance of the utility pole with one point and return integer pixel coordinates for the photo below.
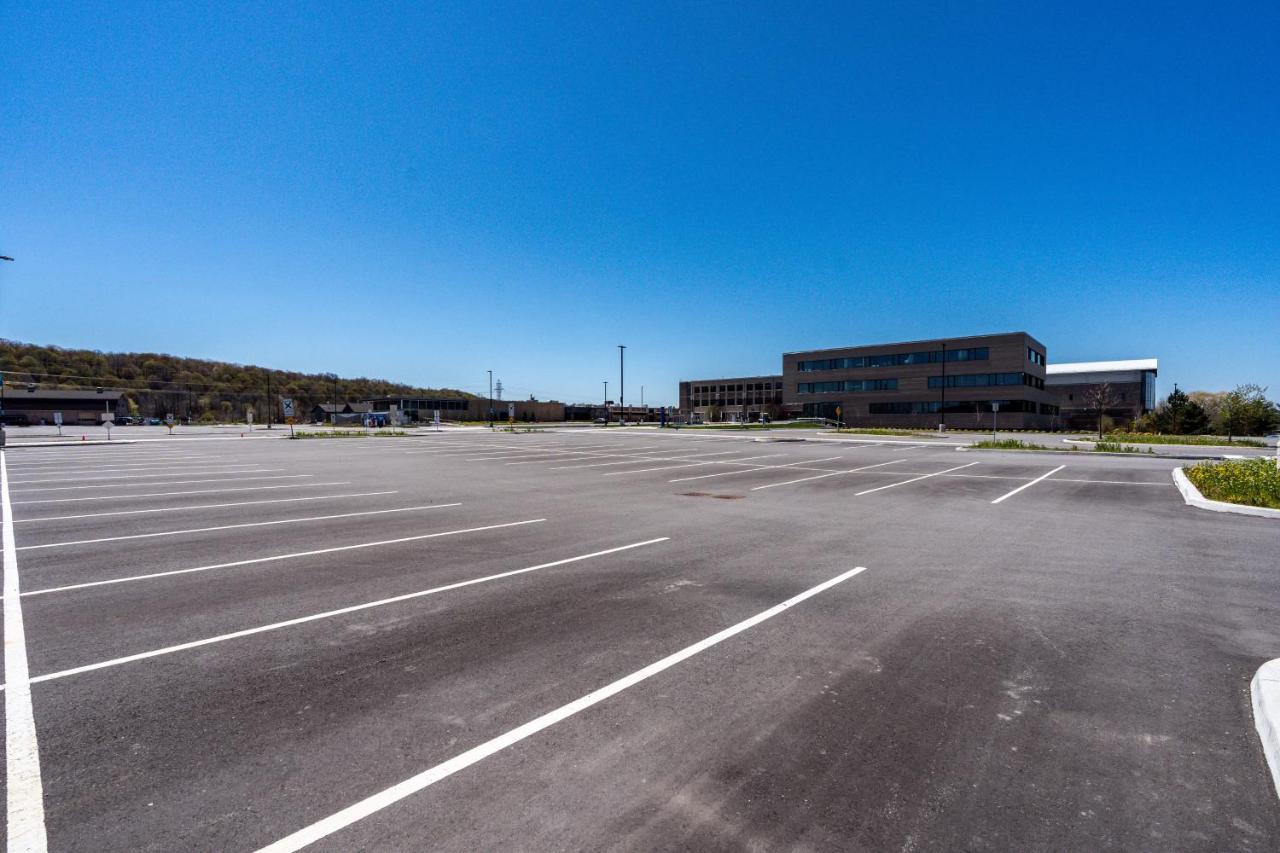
(622, 383)
(2, 433)
(942, 406)
(490, 399)
(606, 402)
(334, 377)
(270, 406)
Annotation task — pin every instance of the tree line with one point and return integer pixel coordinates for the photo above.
(155, 384)
(1244, 410)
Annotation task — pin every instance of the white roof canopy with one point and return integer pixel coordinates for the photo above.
(1102, 366)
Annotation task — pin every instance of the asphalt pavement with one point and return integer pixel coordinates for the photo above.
(573, 640)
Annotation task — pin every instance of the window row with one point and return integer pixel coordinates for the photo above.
(961, 407)
(924, 357)
(749, 386)
(1035, 356)
(849, 385)
(985, 380)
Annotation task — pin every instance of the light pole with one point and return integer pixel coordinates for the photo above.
(622, 384)
(942, 406)
(269, 405)
(333, 377)
(606, 402)
(490, 399)
(2, 433)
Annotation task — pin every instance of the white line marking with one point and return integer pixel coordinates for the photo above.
(171, 483)
(640, 458)
(389, 796)
(1028, 485)
(247, 632)
(64, 468)
(912, 480)
(203, 506)
(150, 495)
(756, 468)
(23, 784)
(233, 526)
(822, 476)
(692, 464)
(221, 469)
(276, 557)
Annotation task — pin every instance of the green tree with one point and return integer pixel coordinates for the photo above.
(1178, 414)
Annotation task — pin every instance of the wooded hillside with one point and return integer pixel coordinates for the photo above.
(204, 390)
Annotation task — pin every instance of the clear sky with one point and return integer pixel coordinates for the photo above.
(425, 191)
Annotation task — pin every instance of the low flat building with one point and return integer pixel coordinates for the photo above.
(957, 382)
(38, 406)
(735, 399)
(422, 409)
(1129, 393)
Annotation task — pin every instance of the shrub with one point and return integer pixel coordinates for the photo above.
(1010, 444)
(1252, 482)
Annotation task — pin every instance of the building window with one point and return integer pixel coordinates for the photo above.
(923, 357)
(1035, 357)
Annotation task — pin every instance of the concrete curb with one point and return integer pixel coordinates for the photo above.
(1192, 496)
(1266, 714)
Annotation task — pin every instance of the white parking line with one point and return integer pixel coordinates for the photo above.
(328, 614)
(912, 480)
(64, 468)
(23, 784)
(389, 796)
(171, 483)
(150, 495)
(221, 469)
(233, 526)
(823, 476)
(755, 468)
(294, 556)
(1028, 485)
(691, 464)
(204, 506)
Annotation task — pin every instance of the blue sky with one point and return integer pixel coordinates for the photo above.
(425, 191)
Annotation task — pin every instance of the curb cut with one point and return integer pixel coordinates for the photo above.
(1192, 496)
(1266, 714)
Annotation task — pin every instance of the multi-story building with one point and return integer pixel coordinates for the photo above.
(736, 399)
(953, 381)
(1125, 390)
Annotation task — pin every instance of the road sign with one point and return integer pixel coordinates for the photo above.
(169, 420)
(57, 418)
(511, 412)
(435, 417)
(286, 405)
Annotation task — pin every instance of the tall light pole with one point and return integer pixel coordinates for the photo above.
(334, 378)
(2, 433)
(490, 399)
(622, 383)
(606, 402)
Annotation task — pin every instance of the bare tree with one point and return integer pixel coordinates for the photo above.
(1099, 398)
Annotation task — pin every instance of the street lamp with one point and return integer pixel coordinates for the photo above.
(2, 433)
(622, 384)
(490, 399)
(606, 402)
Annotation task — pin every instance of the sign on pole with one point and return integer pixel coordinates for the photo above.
(511, 412)
(286, 406)
(435, 418)
(57, 418)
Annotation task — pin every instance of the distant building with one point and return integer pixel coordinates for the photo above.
(735, 399)
(1132, 386)
(37, 406)
(422, 409)
(952, 381)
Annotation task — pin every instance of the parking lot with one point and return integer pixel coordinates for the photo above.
(577, 640)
